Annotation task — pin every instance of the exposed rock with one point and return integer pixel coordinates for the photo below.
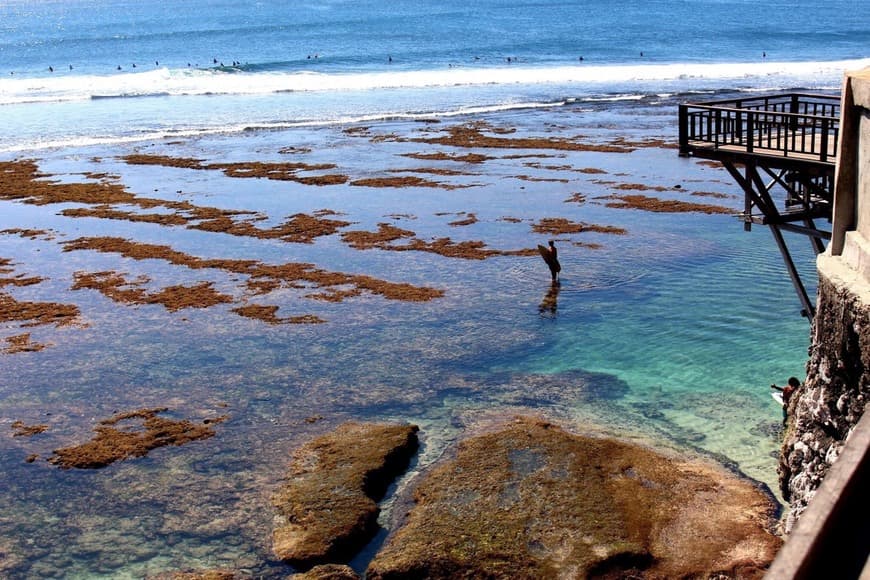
(832, 400)
(327, 507)
(533, 501)
(328, 572)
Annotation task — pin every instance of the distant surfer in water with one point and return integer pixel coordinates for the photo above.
(550, 256)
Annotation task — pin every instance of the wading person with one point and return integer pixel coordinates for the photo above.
(550, 256)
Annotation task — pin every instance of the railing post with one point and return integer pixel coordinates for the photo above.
(684, 131)
(795, 107)
(717, 127)
(750, 130)
(824, 152)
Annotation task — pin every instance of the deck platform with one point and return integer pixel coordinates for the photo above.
(782, 151)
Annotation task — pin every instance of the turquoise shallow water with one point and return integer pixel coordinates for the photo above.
(671, 332)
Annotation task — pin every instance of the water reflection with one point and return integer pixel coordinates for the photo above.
(549, 303)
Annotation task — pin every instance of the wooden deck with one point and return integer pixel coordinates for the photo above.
(782, 151)
(793, 128)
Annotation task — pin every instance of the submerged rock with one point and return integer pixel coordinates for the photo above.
(117, 440)
(533, 501)
(328, 508)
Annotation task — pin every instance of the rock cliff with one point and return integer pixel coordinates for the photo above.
(832, 399)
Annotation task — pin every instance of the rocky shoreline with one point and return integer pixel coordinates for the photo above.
(524, 498)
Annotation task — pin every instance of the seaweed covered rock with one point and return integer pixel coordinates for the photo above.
(534, 501)
(328, 572)
(327, 508)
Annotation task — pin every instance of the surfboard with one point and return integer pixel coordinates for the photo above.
(777, 396)
(552, 262)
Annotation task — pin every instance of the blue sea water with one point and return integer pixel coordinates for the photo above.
(128, 70)
(669, 333)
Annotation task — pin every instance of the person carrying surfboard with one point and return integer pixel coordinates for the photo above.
(550, 256)
(786, 393)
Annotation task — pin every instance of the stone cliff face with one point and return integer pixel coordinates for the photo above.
(833, 398)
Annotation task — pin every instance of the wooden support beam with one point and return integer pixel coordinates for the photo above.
(809, 310)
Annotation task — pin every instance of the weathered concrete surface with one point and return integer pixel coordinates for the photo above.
(327, 508)
(836, 390)
(533, 501)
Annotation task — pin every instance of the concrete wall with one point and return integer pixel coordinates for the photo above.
(837, 388)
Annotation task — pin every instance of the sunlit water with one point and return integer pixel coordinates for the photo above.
(670, 333)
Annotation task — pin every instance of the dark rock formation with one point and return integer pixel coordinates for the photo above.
(833, 397)
(533, 501)
(328, 502)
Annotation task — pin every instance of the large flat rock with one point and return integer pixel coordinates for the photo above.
(327, 507)
(534, 501)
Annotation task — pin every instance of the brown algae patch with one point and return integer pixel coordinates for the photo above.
(113, 285)
(249, 169)
(18, 280)
(470, 219)
(268, 314)
(406, 181)
(556, 226)
(107, 212)
(21, 343)
(117, 440)
(387, 236)
(22, 430)
(655, 204)
(291, 275)
(431, 171)
(21, 181)
(713, 194)
(202, 295)
(472, 136)
(37, 313)
(31, 234)
(441, 156)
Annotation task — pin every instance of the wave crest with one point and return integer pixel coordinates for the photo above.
(251, 81)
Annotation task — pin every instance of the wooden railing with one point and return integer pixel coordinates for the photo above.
(794, 124)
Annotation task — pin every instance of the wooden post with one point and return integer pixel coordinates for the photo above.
(684, 130)
(809, 310)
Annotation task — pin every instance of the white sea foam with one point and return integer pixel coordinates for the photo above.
(163, 81)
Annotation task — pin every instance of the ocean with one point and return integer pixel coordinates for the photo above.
(83, 72)
(667, 327)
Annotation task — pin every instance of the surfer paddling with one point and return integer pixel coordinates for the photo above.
(550, 256)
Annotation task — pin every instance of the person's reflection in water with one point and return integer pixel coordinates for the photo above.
(549, 303)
